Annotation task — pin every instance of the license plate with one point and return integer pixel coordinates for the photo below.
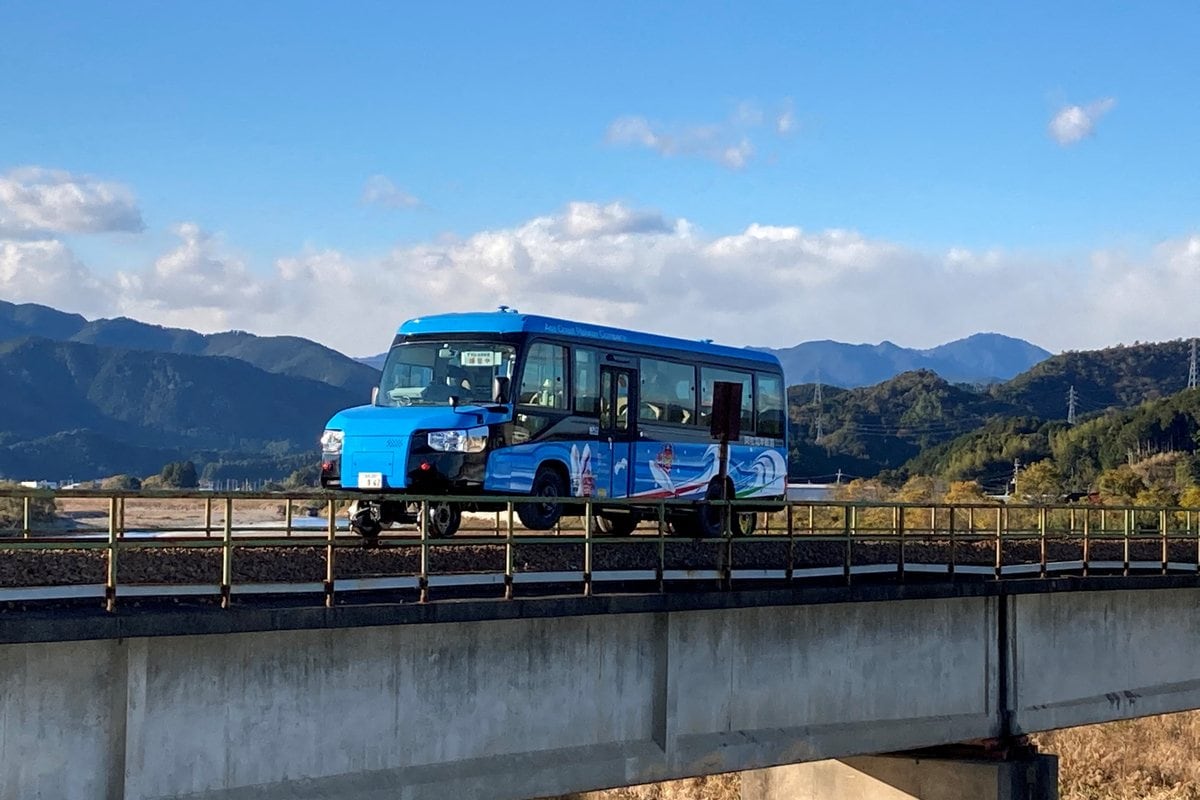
(370, 480)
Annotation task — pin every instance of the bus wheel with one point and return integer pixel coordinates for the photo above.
(444, 519)
(365, 520)
(615, 524)
(548, 486)
(709, 520)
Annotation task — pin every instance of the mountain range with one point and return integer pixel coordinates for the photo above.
(982, 358)
(284, 355)
(94, 398)
(101, 397)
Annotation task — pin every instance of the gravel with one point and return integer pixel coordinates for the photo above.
(307, 563)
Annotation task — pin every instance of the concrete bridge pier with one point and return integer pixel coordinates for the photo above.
(953, 773)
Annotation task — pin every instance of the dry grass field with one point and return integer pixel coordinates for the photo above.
(1154, 758)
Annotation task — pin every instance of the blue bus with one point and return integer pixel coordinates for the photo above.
(502, 403)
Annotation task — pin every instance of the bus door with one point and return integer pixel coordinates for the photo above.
(618, 427)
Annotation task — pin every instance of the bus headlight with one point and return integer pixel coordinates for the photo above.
(459, 441)
(331, 442)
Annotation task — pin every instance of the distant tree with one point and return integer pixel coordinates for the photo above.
(1155, 497)
(121, 483)
(966, 492)
(1187, 471)
(1190, 497)
(1041, 482)
(179, 475)
(861, 490)
(1120, 485)
(12, 509)
(918, 489)
(303, 478)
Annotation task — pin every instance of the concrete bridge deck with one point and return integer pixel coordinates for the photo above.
(536, 697)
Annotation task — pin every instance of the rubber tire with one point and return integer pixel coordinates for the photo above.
(365, 525)
(544, 515)
(709, 522)
(444, 520)
(615, 525)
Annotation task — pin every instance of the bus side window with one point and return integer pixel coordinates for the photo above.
(586, 381)
(668, 392)
(708, 376)
(542, 381)
(770, 405)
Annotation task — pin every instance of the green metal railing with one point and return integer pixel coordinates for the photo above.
(837, 541)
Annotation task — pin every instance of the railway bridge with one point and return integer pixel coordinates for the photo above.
(815, 681)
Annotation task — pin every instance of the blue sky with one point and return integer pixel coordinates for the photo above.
(419, 153)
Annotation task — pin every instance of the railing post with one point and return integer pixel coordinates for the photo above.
(661, 567)
(1087, 519)
(1042, 515)
(110, 579)
(227, 554)
(950, 523)
(26, 516)
(1125, 550)
(587, 548)
(207, 517)
(330, 549)
(423, 577)
(1162, 526)
(508, 556)
(898, 525)
(847, 528)
(790, 572)
(1001, 512)
(727, 546)
(287, 516)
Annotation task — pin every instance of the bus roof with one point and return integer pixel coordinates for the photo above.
(512, 322)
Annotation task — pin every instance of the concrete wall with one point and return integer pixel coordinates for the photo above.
(1086, 657)
(507, 709)
(521, 708)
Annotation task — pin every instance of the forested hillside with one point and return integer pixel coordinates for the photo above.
(1114, 377)
(285, 355)
(94, 410)
(881, 427)
(911, 425)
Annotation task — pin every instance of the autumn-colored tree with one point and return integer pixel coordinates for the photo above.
(1041, 482)
(1119, 486)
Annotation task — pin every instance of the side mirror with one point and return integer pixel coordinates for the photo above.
(500, 389)
(374, 394)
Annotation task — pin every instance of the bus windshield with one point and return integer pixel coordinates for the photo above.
(431, 372)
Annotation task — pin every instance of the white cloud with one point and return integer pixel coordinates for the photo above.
(195, 284)
(785, 120)
(1074, 123)
(35, 202)
(724, 143)
(770, 285)
(380, 191)
(46, 271)
(587, 220)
